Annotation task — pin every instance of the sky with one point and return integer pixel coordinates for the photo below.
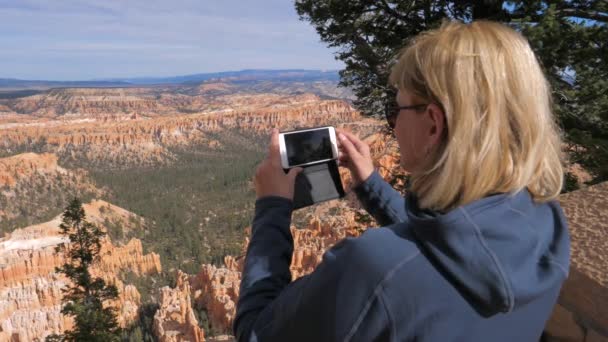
(98, 39)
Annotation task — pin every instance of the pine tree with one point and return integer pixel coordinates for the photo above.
(84, 297)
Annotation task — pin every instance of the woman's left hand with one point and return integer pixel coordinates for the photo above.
(270, 179)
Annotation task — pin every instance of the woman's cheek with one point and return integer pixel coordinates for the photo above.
(405, 152)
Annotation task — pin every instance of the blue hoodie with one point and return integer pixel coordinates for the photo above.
(490, 270)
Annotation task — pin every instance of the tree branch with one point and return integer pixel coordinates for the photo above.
(586, 14)
(387, 8)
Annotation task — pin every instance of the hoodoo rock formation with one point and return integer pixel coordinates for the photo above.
(175, 321)
(22, 166)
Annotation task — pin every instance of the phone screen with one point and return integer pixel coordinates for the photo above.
(307, 147)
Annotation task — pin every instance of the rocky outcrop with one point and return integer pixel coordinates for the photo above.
(175, 320)
(32, 184)
(216, 290)
(22, 166)
(582, 310)
(90, 102)
(30, 290)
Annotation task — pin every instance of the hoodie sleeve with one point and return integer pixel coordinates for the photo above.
(271, 308)
(383, 202)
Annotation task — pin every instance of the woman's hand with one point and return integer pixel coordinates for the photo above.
(355, 155)
(270, 179)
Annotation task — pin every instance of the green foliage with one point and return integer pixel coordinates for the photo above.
(570, 38)
(83, 298)
(114, 229)
(570, 183)
(142, 329)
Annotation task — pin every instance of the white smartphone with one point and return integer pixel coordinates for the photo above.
(308, 146)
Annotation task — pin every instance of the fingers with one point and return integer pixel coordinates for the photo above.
(359, 145)
(347, 146)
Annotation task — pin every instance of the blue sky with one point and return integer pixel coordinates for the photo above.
(87, 39)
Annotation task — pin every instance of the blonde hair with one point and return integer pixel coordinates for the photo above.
(501, 133)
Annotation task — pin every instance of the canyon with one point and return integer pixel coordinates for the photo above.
(140, 138)
(56, 144)
(125, 128)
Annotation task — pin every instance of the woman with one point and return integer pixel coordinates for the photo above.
(478, 249)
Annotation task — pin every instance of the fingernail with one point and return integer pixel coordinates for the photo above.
(341, 136)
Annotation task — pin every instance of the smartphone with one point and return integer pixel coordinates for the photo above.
(308, 146)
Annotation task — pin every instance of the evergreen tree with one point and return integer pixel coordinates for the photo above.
(570, 38)
(84, 297)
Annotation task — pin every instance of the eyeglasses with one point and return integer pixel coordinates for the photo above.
(392, 112)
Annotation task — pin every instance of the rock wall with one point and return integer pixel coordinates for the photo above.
(24, 165)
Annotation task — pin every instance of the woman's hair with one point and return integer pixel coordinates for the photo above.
(500, 133)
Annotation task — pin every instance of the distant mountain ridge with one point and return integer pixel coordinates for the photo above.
(290, 75)
(13, 83)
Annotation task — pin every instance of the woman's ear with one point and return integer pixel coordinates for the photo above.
(436, 120)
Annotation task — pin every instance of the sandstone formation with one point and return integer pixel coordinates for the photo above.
(582, 310)
(30, 290)
(36, 181)
(88, 101)
(175, 321)
(216, 290)
(24, 165)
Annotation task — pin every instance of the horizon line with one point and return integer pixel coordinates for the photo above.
(123, 79)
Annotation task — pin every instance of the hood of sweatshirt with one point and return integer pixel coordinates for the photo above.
(501, 251)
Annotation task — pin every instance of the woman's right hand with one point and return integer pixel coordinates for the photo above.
(355, 155)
